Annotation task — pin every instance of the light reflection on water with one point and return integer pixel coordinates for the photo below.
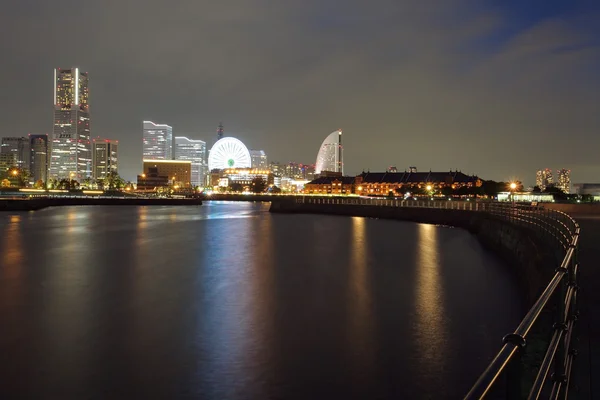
(229, 301)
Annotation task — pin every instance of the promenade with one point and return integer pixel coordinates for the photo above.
(587, 363)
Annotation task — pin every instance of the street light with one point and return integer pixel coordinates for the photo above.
(513, 186)
(15, 172)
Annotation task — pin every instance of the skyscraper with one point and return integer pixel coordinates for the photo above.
(220, 131)
(564, 180)
(543, 178)
(330, 156)
(194, 151)
(158, 141)
(19, 148)
(71, 148)
(259, 159)
(105, 157)
(38, 160)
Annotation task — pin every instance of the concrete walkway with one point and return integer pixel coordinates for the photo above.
(586, 368)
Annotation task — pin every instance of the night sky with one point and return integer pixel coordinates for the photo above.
(496, 88)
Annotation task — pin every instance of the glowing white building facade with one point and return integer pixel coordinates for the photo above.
(229, 152)
(194, 151)
(330, 157)
(157, 142)
(71, 147)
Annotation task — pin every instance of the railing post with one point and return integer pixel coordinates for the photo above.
(560, 324)
(514, 371)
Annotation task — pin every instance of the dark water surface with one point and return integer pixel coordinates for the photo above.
(226, 301)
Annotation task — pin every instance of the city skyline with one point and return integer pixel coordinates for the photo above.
(471, 88)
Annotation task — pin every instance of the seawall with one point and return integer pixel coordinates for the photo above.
(531, 261)
(39, 203)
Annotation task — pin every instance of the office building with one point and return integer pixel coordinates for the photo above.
(194, 151)
(259, 159)
(19, 148)
(564, 180)
(544, 178)
(70, 147)
(166, 172)
(38, 157)
(105, 157)
(157, 141)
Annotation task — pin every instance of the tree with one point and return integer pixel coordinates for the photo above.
(5, 183)
(236, 187)
(39, 184)
(536, 189)
(113, 181)
(447, 191)
(52, 183)
(275, 189)
(258, 185)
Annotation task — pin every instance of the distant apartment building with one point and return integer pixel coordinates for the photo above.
(157, 141)
(71, 148)
(19, 148)
(259, 159)
(564, 180)
(544, 178)
(105, 157)
(194, 151)
(38, 157)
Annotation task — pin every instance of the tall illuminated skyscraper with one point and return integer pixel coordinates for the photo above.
(194, 151)
(564, 180)
(157, 142)
(105, 157)
(38, 160)
(544, 178)
(71, 146)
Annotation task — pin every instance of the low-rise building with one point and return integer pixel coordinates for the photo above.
(381, 183)
(331, 185)
(160, 173)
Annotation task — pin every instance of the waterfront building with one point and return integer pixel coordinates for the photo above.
(242, 176)
(564, 180)
(331, 185)
(276, 168)
(544, 178)
(104, 157)
(165, 172)
(157, 141)
(38, 157)
(259, 159)
(194, 151)
(19, 148)
(70, 147)
(227, 153)
(330, 155)
(381, 183)
(7, 161)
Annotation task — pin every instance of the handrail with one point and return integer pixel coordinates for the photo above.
(562, 233)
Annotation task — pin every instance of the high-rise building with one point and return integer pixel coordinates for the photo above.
(71, 148)
(564, 180)
(194, 151)
(158, 141)
(543, 178)
(220, 131)
(259, 159)
(105, 157)
(19, 148)
(330, 156)
(38, 159)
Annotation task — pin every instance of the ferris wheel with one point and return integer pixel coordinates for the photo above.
(229, 152)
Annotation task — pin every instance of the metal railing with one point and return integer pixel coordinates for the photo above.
(560, 233)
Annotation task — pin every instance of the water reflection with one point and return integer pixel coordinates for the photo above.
(360, 312)
(431, 331)
(12, 254)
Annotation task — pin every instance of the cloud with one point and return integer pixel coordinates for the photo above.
(437, 84)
